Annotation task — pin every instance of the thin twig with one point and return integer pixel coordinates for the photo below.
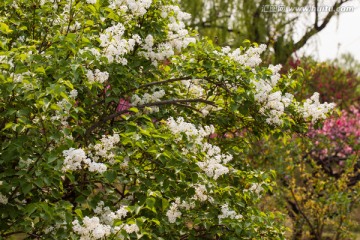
(301, 212)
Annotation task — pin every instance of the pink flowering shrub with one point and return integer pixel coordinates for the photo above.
(338, 137)
(333, 83)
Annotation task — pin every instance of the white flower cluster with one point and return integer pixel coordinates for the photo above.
(313, 109)
(273, 103)
(114, 45)
(102, 225)
(97, 76)
(173, 213)
(250, 58)
(227, 213)
(107, 216)
(91, 229)
(137, 7)
(130, 228)
(180, 126)
(177, 36)
(3, 199)
(200, 193)
(104, 148)
(193, 87)
(75, 158)
(274, 78)
(255, 188)
(148, 98)
(213, 161)
(73, 93)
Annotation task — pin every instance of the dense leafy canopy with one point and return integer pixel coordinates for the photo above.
(116, 123)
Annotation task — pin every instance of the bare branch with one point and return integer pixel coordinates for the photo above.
(317, 28)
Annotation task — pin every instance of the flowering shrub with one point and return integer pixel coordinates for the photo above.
(108, 108)
(333, 82)
(318, 175)
(336, 141)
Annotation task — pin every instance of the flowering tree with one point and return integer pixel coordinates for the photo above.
(333, 81)
(318, 175)
(109, 111)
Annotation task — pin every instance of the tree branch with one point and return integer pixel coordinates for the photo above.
(160, 82)
(301, 212)
(317, 28)
(165, 102)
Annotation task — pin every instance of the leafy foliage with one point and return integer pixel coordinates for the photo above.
(108, 111)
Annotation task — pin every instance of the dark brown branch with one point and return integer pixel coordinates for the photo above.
(160, 82)
(165, 102)
(187, 106)
(316, 14)
(317, 28)
(302, 213)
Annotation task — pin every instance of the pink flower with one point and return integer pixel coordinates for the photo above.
(123, 105)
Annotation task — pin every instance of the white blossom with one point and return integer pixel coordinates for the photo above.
(113, 44)
(130, 228)
(73, 159)
(107, 216)
(91, 228)
(173, 213)
(213, 162)
(256, 188)
(200, 193)
(76, 158)
(148, 98)
(3, 199)
(272, 103)
(227, 213)
(97, 76)
(73, 93)
(251, 57)
(313, 109)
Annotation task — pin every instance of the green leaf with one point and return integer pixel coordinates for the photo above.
(40, 70)
(30, 208)
(26, 187)
(79, 213)
(39, 182)
(150, 202)
(5, 28)
(110, 176)
(165, 204)
(134, 109)
(8, 125)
